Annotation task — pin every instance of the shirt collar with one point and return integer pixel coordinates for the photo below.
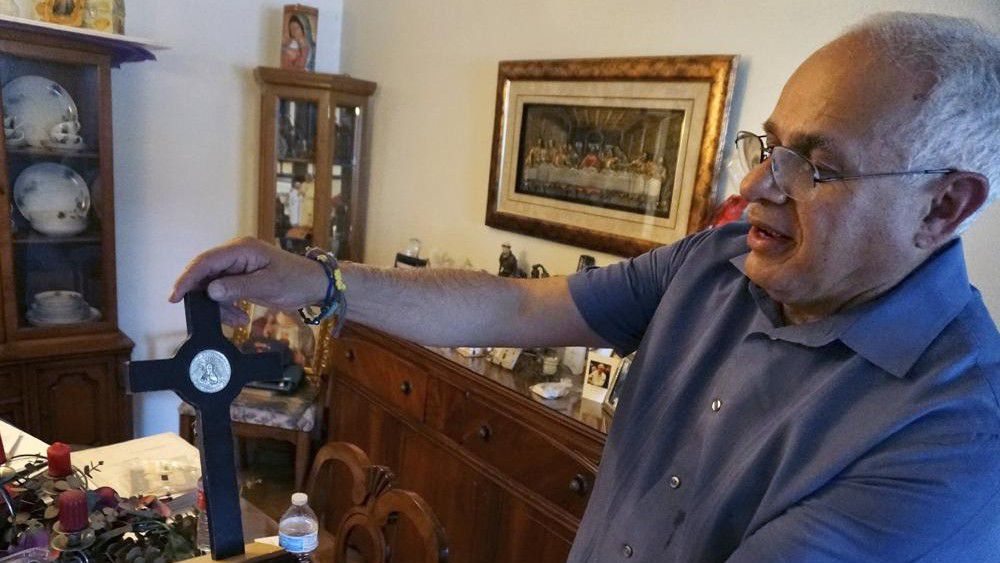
(893, 331)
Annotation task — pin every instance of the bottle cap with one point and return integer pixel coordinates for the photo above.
(300, 499)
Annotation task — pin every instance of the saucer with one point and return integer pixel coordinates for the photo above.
(38, 321)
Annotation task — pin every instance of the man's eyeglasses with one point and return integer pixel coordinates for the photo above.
(793, 173)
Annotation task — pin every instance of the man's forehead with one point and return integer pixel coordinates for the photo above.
(841, 95)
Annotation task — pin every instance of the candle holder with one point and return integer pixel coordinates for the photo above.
(72, 546)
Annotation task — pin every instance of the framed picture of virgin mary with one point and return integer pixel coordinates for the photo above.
(298, 37)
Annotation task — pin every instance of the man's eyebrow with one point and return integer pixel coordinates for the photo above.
(803, 143)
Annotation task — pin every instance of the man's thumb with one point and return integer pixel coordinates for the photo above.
(229, 288)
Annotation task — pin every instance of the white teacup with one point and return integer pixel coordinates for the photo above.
(64, 128)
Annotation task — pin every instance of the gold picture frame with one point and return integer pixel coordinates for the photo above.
(313, 356)
(617, 155)
(63, 12)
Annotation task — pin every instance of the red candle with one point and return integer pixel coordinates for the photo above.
(59, 465)
(73, 515)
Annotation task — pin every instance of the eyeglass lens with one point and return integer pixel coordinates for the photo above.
(750, 148)
(792, 173)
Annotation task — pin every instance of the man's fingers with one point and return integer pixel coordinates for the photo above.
(229, 259)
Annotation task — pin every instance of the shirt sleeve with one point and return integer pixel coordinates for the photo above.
(618, 301)
(905, 502)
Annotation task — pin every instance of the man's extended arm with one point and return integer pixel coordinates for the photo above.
(432, 307)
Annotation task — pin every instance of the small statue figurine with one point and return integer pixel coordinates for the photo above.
(539, 271)
(508, 262)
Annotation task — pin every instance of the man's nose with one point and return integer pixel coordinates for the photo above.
(760, 184)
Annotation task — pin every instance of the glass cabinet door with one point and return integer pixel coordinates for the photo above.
(52, 141)
(296, 126)
(346, 153)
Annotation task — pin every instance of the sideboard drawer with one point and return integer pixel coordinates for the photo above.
(398, 382)
(521, 452)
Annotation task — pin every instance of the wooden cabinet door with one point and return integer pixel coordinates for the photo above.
(463, 500)
(527, 535)
(13, 406)
(357, 419)
(76, 401)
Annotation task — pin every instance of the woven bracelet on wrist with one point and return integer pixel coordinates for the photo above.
(335, 300)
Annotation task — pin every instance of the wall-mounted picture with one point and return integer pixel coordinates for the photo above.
(615, 389)
(298, 37)
(598, 375)
(618, 155)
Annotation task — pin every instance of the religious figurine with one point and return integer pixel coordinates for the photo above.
(508, 263)
(539, 271)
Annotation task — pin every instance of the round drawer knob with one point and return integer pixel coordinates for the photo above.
(349, 355)
(484, 433)
(579, 484)
(406, 387)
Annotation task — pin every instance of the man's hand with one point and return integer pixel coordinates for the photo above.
(248, 268)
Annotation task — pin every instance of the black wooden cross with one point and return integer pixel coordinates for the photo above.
(208, 372)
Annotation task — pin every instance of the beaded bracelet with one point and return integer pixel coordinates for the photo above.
(335, 300)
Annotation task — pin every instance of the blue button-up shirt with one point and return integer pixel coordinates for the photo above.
(872, 435)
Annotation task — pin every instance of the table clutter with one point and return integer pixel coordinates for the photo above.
(139, 494)
(56, 507)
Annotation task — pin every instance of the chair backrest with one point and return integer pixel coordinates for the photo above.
(377, 508)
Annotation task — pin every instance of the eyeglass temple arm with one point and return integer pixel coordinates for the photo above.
(884, 174)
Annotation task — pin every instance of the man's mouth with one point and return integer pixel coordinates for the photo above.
(767, 239)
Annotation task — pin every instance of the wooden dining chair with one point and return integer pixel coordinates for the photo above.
(367, 530)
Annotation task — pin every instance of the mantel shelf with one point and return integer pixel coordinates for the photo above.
(124, 49)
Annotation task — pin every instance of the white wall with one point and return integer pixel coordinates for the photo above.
(185, 154)
(436, 65)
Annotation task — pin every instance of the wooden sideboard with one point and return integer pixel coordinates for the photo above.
(507, 473)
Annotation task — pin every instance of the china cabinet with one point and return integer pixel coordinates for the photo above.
(314, 157)
(62, 355)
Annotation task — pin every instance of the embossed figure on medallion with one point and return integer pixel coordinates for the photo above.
(210, 371)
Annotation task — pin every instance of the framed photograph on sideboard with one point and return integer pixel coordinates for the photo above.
(617, 155)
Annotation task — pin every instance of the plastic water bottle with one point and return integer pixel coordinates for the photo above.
(298, 530)
(202, 541)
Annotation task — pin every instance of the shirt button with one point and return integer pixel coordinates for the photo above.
(717, 405)
(675, 482)
(627, 550)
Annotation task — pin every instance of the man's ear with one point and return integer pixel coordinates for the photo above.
(958, 195)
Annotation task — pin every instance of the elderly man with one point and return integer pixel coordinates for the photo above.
(820, 384)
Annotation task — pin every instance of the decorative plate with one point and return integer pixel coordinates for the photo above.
(48, 186)
(38, 104)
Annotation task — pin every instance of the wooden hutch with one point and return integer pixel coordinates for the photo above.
(62, 356)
